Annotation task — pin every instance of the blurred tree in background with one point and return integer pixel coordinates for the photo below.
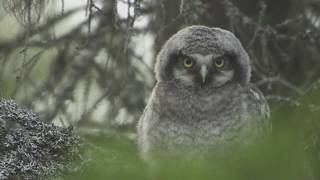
(89, 63)
(102, 63)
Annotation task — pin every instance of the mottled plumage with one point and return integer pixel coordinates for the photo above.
(202, 98)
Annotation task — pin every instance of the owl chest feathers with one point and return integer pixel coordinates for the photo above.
(185, 106)
(206, 117)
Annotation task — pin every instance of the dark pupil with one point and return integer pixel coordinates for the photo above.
(188, 62)
(219, 62)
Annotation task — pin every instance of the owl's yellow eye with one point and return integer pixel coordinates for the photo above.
(188, 63)
(219, 63)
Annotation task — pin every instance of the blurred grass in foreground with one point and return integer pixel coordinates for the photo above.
(291, 154)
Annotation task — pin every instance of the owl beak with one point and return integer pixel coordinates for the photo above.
(204, 72)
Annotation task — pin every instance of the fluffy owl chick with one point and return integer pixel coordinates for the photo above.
(202, 98)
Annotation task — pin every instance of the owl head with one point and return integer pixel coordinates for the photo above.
(201, 56)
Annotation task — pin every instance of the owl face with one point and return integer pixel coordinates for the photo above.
(201, 56)
(200, 70)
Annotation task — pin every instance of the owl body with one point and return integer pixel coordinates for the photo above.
(193, 112)
(205, 121)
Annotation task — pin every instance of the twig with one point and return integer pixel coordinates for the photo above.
(259, 24)
(283, 82)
